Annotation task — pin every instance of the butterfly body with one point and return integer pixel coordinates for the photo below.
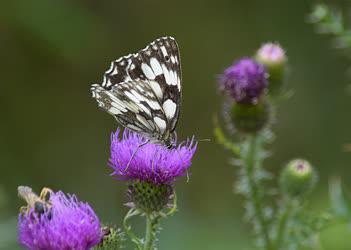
(143, 90)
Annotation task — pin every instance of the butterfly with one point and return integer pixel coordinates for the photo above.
(143, 90)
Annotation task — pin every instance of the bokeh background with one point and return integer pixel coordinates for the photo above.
(52, 133)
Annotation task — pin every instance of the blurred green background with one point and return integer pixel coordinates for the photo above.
(52, 133)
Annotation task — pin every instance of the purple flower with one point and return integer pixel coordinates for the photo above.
(66, 224)
(245, 81)
(152, 162)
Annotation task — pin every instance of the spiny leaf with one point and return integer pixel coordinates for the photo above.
(220, 137)
(340, 202)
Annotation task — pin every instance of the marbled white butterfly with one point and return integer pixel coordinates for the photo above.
(143, 90)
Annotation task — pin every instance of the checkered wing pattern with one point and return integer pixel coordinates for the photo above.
(143, 90)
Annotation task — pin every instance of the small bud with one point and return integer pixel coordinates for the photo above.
(112, 238)
(273, 57)
(149, 197)
(250, 118)
(298, 178)
(319, 14)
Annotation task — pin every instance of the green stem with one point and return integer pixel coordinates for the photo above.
(250, 162)
(281, 230)
(150, 232)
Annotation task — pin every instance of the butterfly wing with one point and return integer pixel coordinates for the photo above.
(146, 84)
(134, 105)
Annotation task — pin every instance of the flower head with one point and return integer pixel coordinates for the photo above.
(133, 158)
(245, 81)
(66, 224)
(274, 59)
(298, 178)
(271, 54)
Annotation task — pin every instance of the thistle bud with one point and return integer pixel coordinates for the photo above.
(298, 178)
(250, 118)
(149, 197)
(273, 57)
(112, 238)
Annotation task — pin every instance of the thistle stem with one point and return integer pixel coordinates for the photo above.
(148, 233)
(251, 166)
(152, 222)
(283, 219)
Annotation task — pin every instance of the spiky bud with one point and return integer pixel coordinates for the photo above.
(250, 118)
(112, 238)
(298, 178)
(273, 57)
(149, 197)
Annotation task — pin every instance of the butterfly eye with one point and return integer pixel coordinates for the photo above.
(167, 58)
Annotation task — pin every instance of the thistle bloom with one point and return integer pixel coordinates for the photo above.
(134, 159)
(245, 81)
(66, 224)
(271, 54)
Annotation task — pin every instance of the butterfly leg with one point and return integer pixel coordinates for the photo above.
(153, 161)
(187, 172)
(187, 176)
(152, 164)
(134, 153)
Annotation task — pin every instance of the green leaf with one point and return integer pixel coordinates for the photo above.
(340, 201)
(220, 137)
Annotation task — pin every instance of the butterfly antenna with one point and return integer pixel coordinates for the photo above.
(134, 153)
(347, 148)
(204, 140)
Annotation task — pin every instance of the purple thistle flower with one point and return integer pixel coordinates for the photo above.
(245, 81)
(152, 163)
(66, 224)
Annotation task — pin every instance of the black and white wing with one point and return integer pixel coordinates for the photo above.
(143, 90)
